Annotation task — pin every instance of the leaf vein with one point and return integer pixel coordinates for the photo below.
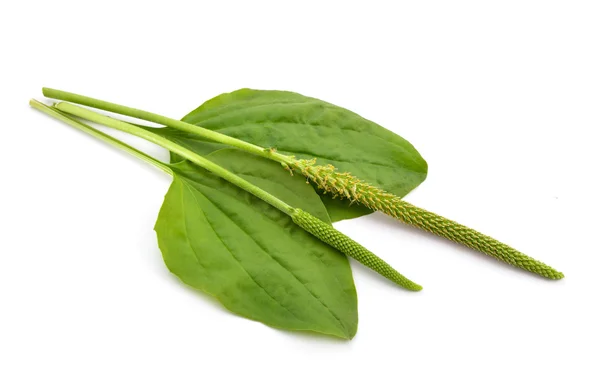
(187, 233)
(234, 256)
(339, 321)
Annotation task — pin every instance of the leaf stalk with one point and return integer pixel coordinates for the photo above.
(53, 112)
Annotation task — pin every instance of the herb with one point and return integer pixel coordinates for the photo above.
(327, 178)
(232, 239)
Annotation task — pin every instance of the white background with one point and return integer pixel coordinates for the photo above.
(501, 98)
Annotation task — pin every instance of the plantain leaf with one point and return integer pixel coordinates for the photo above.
(250, 256)
(309, 128)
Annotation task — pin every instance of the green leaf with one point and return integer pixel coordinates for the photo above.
(309, 128)
(250, 256)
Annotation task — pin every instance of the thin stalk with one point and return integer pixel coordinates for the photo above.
(175, 148)
(53, 112)
(162, 120)
(311, 224)
(341, 184)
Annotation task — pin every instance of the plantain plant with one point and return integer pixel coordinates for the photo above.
(237, 226)
(257, 264)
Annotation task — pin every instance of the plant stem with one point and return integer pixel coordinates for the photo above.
(175, 148)
(162, 120)
(49, 110)
(311, 224)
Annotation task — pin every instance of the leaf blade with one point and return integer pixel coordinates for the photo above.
(252, 257)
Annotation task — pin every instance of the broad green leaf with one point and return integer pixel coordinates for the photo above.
(250, 256)
(309, 128)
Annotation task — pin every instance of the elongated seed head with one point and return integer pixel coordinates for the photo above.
(348, 246)
(344, 185)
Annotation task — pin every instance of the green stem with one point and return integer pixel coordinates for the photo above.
(49, 110)
(170, 122)
(177, 149)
